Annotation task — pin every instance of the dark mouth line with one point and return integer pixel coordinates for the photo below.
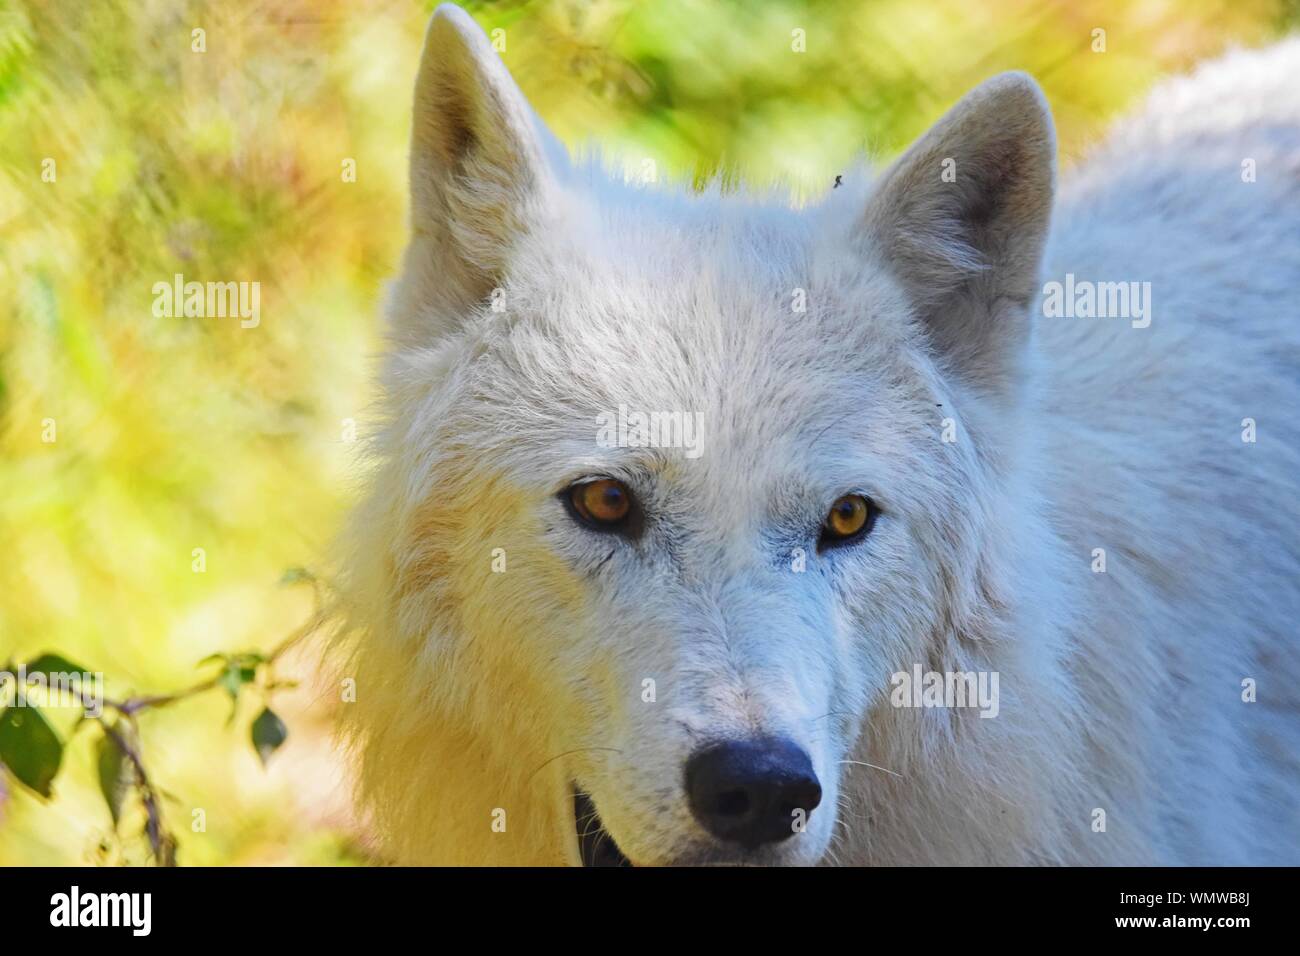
(595, 845)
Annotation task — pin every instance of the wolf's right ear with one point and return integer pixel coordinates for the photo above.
(480, 175)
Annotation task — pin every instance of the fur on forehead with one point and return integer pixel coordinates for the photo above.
(724, 305)
(730, 289)
(569, 280)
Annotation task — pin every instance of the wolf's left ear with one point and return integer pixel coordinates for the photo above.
(961, 219)
(480, 170)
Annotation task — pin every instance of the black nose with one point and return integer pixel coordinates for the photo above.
(748, 791)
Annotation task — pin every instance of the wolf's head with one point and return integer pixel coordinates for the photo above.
(671, 485)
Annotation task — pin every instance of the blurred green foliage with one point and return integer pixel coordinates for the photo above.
(176, 434)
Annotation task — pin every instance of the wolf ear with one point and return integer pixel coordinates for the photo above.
(961, 219)
(479, 170)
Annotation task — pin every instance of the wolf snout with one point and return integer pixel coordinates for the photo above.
(752, 791)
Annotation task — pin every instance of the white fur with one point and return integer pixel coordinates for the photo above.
(1120, 691)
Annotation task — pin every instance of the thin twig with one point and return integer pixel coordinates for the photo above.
(160, 841)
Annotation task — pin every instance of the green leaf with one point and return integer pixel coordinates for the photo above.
(269, 732)
(115, 775)
(296, 576)
(235, 676)
(48, 664)
(29, 747)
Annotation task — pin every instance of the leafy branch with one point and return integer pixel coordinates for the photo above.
(32, 752)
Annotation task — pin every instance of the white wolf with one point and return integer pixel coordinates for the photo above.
(572, 650)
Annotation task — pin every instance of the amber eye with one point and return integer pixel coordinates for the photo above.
(605, 503)
(850, 518)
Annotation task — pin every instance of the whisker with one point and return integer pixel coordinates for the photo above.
(566, 753)
(863, 763)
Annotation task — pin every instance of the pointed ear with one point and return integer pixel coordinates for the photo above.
(961, 220)
(480, 176)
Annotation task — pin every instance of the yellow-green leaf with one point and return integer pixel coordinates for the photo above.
(115, 774)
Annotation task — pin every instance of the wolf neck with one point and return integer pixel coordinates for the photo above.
(1017, 788)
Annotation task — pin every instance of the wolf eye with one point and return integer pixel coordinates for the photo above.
(604, 504)
(850, 518)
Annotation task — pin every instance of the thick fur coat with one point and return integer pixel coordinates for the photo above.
(1076, 504)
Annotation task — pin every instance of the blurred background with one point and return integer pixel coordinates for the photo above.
(129, 441)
